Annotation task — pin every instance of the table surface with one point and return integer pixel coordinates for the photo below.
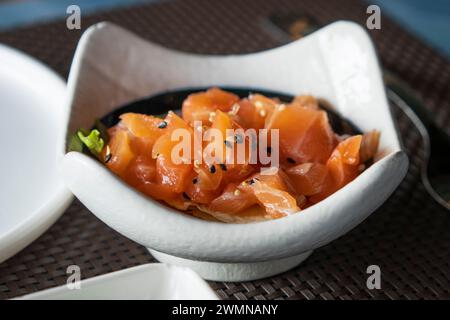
(407, 237)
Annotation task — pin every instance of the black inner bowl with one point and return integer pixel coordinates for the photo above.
(161, 103)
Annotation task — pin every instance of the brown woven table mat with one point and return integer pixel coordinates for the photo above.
(408, 237)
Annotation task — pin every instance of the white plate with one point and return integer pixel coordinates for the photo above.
(146, 282)
(32, 195)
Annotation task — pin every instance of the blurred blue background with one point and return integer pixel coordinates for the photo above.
(428, 19)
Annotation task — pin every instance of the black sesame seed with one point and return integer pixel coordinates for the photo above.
(223, 167)
(194, 181)
(162, 125)
(228, 144)
(108, 157)
(251, 181)
(238, 138)
(290, 160)
(186, 196)
(212, 169)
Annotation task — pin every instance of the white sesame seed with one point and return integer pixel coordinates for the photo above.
(258, 104)
(234, 109)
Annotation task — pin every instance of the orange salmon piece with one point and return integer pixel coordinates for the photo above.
(120, 148)
(343, 167)
(255, 111)
(308, 178)
(232, 200)
(305, 134)
(272, 192)
(198, 106)
(369, 145)
(168, 172)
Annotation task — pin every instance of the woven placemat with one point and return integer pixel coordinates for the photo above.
(408, 237)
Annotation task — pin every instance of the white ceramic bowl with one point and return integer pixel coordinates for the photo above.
(337, 63)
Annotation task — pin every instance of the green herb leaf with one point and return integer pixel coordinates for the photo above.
(75, 144)
(93, 141)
